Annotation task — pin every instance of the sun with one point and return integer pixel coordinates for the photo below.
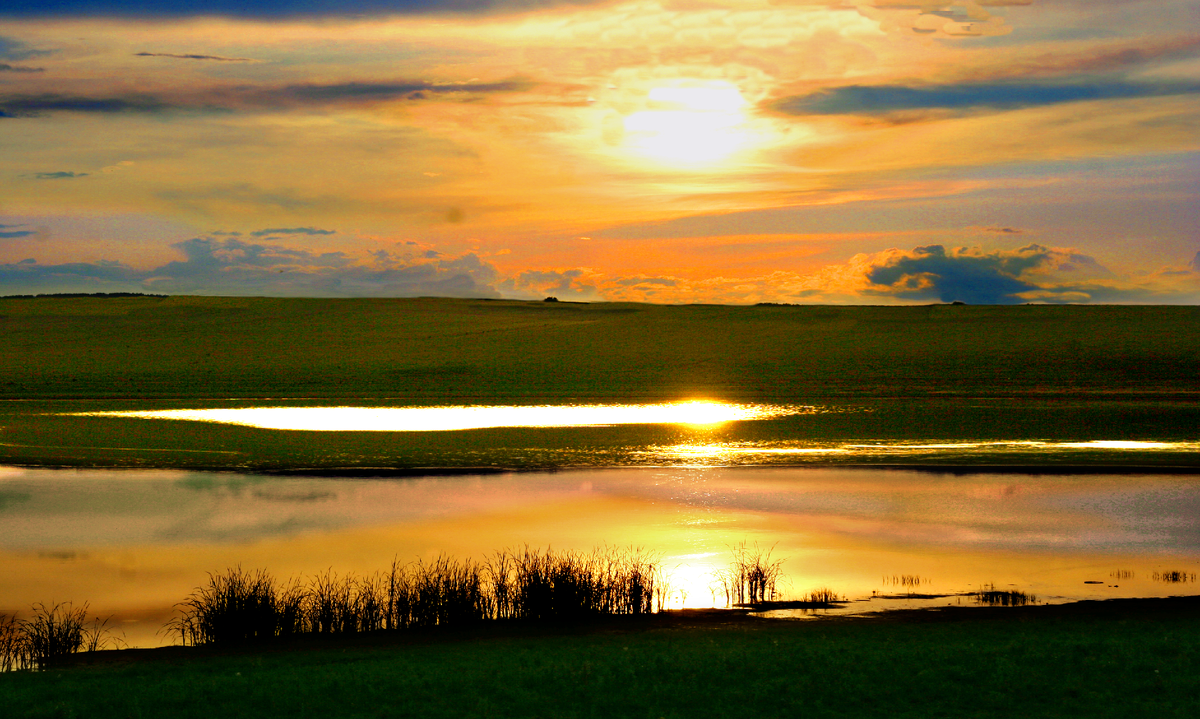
(691, 126)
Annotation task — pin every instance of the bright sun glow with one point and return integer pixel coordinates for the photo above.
(689, 125)
(428, 419)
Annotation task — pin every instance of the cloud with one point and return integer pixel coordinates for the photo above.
(60, 175)
(933, 273)
(215, 58)
(251, 97)
(882, 99)
(1064, 59)
(1033, 273)
(32, 105)
(1002, 230)
(379, 91)
(266, 9)
(230, 266)
(962, 274)
(11, 49)
(293, 231)
(28, 277)
(1195, 263)
(5, 67)
(942, 20)
(577, 285)
(8, 233)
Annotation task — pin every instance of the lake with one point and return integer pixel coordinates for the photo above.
(132, 543)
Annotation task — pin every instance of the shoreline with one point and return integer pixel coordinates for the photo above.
(741, 619)
(1108, 467)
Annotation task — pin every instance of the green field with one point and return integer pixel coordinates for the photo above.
(934, 372)
(1112, 659)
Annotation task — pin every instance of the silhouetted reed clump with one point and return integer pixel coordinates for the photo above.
(234, 607)
(993, 597)
(1174, 577)
(824, 595)
(910, 582)
(12, 642)
(54, 633)
(751, 577)
(575, 585)
(240, 606)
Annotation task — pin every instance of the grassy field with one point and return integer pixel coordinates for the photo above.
(440, 350)
(1112, 659)
(934, 372)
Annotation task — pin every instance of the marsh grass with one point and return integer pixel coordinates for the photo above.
(55, 632)
(910, 582)
(239, 606)
(12, 643)
(236, 606)
(824, 595)
(992, 597)
(1174, 577)
(751, 578)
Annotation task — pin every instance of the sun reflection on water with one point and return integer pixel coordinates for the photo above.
(731, 452)
(697, 413)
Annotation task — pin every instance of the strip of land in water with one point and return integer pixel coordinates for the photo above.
(876, 374)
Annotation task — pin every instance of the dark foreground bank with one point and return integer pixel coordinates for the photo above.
(1097, 659)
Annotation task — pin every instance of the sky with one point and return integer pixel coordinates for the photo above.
(716, 151)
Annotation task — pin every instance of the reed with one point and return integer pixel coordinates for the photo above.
(240, 606)
(234, 607)
(910, 582)
(992, 597)
(1174, 577)
(751, 577)
(12, 644)
(824, 595)
(55, 632)
(573, 585)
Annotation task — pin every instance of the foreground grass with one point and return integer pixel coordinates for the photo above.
(992, 663)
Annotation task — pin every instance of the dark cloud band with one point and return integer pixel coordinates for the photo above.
(5, 67)
(253, 98)
(265, 9)
(881, 99)
(215, 58)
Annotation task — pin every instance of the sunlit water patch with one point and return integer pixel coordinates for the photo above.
(433, 419)
(719, 453)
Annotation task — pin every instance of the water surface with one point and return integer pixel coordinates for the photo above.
(133, 543)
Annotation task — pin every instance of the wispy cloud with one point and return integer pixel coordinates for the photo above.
(214, 58)
(256, 98)
(292, 231)
(11, 49)
(5, 67)
(265, 9)
(60, 175)
(9, 232)
(882, 99)
(32, 105)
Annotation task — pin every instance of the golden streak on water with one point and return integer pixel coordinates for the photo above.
(431, 419)
(719, 451)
